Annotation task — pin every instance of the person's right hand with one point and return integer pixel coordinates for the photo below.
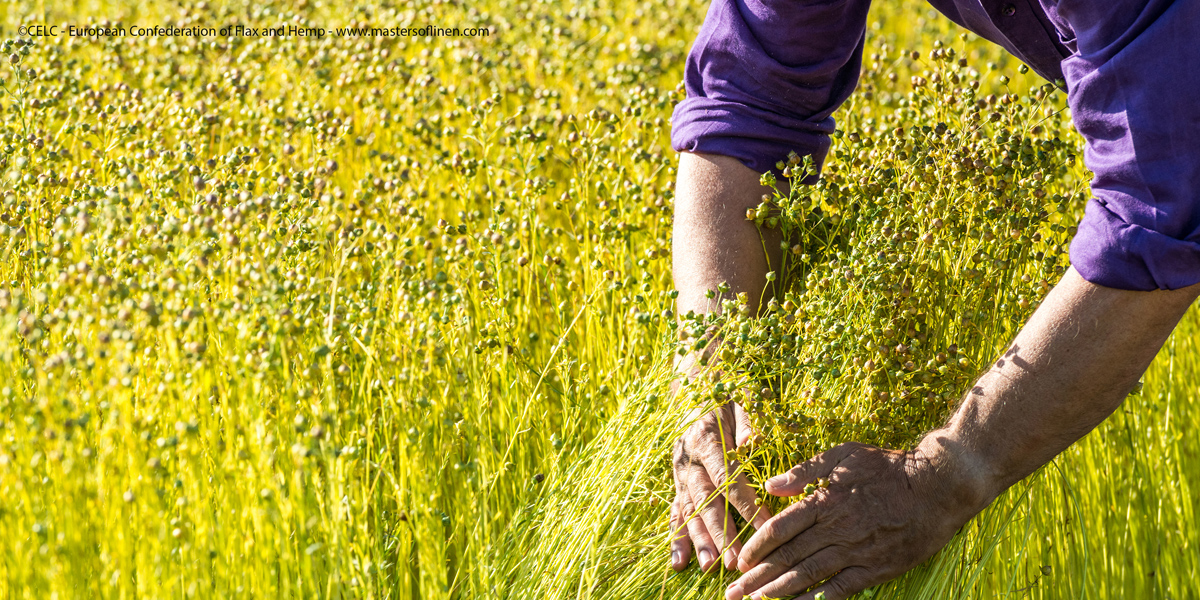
(699, 514)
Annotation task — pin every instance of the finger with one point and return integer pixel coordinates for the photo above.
(681, 547)
(681, 513)
(781, 529)
(848, 582)
(741, 423)
(739, 493)
(706, 550)
(717, 520)
(793, 481)
(800, 577)
(794, 552)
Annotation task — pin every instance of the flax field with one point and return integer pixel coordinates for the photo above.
(391, 317)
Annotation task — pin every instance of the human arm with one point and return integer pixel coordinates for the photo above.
(884, 511)
(714, 244)
(762, 80)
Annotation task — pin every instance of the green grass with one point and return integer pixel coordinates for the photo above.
(390, 318)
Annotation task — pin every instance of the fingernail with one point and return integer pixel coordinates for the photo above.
(734, 592)
(675, 557)
(706, 559)
(730, 558)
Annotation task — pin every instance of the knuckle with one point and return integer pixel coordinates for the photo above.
(786, 555)
(745, 507)
(810, 569)
(681, 487)
(681, 456)
(719, 477)
(820, 502)
(808, 572)
(769, 530)
(819, 497)
(695, 439)
(714, 451)
(845, 586)
(791, 582)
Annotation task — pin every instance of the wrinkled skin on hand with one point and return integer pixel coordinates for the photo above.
(700, 516)
(882, 513)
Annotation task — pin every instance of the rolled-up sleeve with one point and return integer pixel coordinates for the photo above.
(1134, 92)
(764, 76)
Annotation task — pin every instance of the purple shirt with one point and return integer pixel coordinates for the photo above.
(765, 76)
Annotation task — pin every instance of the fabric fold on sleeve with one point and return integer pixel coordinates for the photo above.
(764, 76)
(1132, 90)
(1110, 252)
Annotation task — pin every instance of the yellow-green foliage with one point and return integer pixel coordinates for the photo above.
(392, 317)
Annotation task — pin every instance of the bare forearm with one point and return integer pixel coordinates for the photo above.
(713, 241)
(1069, 368)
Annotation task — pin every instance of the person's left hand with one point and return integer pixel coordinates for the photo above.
(882, 513)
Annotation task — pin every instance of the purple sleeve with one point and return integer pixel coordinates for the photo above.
(764, 76)
(1134, 93)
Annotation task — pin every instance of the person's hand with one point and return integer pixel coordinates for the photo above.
(699, 515)
(882, 513)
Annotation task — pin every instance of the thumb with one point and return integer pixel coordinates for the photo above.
(792, 482)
